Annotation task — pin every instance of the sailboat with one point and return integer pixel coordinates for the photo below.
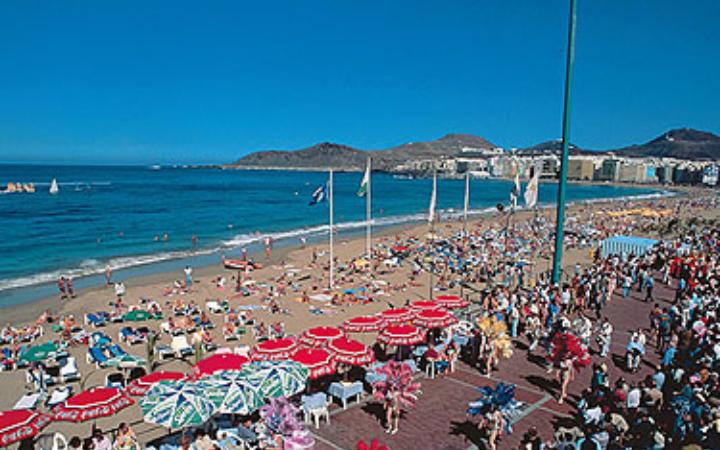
(54, 187)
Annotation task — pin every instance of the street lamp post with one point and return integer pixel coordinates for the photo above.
(562, 182)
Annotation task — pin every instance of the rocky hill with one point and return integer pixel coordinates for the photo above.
(342, 157)
(683, 143)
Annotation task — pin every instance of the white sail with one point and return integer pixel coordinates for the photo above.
(54, 187)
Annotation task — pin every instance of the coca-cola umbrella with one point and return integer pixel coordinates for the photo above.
(141, 385)
(351, 352)
(423, 305)
(19, 424)
(274, 349)
(402, 335)
(451, 301)
(92, 404)
(396, 316)
(318, 361)
(319, 336)
(434, 318)
(363, 324)
(218, 363)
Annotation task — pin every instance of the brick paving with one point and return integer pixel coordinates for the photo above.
(439, 421)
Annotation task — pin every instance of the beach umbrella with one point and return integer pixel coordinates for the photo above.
(399, 248)
(39, 352)
(274, 349)
(351, 352)
(317, 361)
(319, 336)
(434, 318)
(176, 405)
(218, 363)
(126, 361)
(402, 335)
(422, 305)
(92, 404)
(451, 301)
(363, 324)
(19, 424)
(275, 378)
(137, 316)
(143, 384)
(396, 316)
(231, 393)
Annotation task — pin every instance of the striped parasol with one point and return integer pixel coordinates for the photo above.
(434, 318)
(402, 335)
(274, 349)
(92, 404)
(176, 405)
(363, 324)
(318, 361)
(143, 384)
(451, 301)
(351, 352)
(231, 393)
(396, 316)
(276, 378)
(319, 336)
(20, 424)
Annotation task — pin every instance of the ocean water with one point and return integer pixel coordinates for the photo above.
(112, 215)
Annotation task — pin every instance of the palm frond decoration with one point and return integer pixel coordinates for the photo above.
(398, 380)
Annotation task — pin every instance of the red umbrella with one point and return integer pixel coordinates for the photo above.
(395, 316)
(143, 384)
(402, 335)
(399, 248)
(319, 336)
(218, 363)
(274, 349)
(351, 352)
(363, 324)
(451, 301)
(434, 318)
(422, 305)
(19, 424)
(91, 404)
(318, 361)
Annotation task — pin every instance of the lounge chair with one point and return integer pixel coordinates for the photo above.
(214, 307)
(68, 370)
(98, 338)
(127, 334)
(115, 380)
(58, 396)
(95, 355)
(95, 320)
(39, 379)
(164, 351)
(28, 401)
(180, 347)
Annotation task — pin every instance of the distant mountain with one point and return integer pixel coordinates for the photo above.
(551, 147)
(683, 143)
(342, 157)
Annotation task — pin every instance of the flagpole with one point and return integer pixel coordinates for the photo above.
(433, 202)
(560, 220)
(368, 213)
(332, 259)
(467, 201)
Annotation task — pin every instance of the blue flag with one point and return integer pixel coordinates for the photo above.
(319, 195)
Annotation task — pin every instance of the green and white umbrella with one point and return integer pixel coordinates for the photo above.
(231, 393)
(176, 405)
(126, 361)
(273, 379)
(137, 316)
(39, 352)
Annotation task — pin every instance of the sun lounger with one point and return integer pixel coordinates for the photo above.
(28, 401)
(180, 347)
(116, 351)
(214, 307)
(39, 379)
(115, 380)
(68, 370)
(164, 351)
(98, 338)
(95, 320)
(96, 356)
(58, 396)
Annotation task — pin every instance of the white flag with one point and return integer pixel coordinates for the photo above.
(515, 192)
(364, 184)
(433, 200)
(531, 190)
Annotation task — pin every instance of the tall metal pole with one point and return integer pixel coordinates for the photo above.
(562, 182)
(368, 213)
(466, 201)
(332, 253)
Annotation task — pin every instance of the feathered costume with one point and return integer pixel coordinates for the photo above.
(496, 332)
(398, 379)
(568, 346)
(502, 397)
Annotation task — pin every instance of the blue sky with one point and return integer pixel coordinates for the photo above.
(137, 81)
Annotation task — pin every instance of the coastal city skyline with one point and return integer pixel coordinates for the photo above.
(91, 84)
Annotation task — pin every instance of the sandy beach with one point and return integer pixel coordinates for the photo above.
(290, 274)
